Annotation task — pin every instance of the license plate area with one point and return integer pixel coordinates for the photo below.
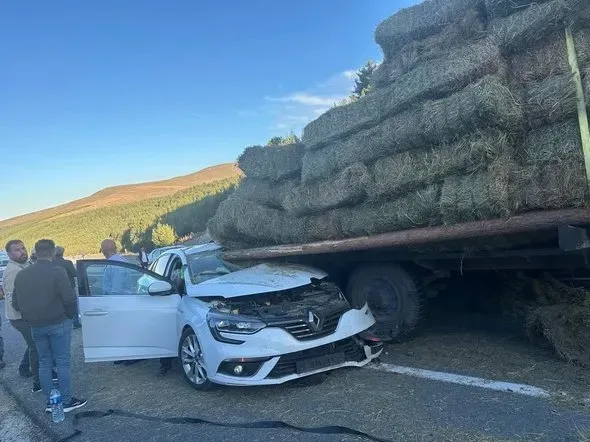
(319, 362)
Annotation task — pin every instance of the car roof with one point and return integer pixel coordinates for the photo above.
(209, 247)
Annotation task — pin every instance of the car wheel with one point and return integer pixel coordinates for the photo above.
(191, 359)
(393, 296)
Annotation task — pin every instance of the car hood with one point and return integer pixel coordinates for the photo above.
(263, 278)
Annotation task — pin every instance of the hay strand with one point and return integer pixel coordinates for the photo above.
(272, 163)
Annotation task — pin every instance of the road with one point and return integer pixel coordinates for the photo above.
(389, 406)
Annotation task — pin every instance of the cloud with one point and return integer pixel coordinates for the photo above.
(306, 99)
(350, 75)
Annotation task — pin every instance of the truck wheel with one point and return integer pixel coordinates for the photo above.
(393, 297)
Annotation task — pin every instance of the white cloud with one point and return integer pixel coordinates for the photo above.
(350, 75)
(306, 99)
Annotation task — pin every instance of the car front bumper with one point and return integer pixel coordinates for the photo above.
(281, 355)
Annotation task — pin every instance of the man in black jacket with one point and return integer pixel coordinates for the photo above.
(47, 302)
(68, 266)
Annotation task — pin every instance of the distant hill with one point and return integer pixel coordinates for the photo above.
(129, 193)
(129, 212)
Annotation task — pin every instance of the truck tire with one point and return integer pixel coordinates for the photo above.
(393, 296)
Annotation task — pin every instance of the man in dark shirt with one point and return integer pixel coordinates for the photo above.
(68, 266)
(44, 297)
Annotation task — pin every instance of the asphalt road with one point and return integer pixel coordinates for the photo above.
(388, 406)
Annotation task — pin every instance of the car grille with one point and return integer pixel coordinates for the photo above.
(302, 330)
(287, 364)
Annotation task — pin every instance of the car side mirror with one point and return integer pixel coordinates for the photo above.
(160, 288)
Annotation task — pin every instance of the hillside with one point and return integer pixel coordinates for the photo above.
(128, 213)
(128, 194)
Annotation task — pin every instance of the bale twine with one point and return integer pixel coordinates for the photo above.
(345, 189)
(470, 28)
(532, 25)
(271, 162)
(550, 101)
(484, 104)
(479, 196)
(433, 80)
(416, 209)
(265, 192)
(420, 21)
(408, 171)
(549, 57)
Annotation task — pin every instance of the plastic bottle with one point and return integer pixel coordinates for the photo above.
(57, 408)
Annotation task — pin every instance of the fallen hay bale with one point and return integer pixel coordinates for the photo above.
(566, 327)
(484, 104)
(521, 30)
(503, 8)
(266, 192)
(272, 163)
(479, 196)
(434, 80)
(470, 28)
(549, 58)
(345, 189)
(420, 21)
(417, 209)
(550, 101)
(407, 171)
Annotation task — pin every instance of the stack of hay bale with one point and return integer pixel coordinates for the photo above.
(472, 115)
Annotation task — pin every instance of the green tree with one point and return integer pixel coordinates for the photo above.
(282, 141)
(363, 79)
(163, 235)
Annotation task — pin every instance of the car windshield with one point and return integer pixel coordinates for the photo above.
(208, 265)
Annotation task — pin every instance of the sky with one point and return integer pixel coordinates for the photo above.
(100, 93)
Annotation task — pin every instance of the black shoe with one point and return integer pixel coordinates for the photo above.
(54, 377)
(163, 371)
(74, 403)
(36, 388)
(25, 372)
(2, 363)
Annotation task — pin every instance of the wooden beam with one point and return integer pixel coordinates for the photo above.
(582, 113)
(529, 222)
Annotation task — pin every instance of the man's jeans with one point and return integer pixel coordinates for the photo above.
(30, 359)
(1, 340)
(53, 344)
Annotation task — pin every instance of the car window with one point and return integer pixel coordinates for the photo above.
(159, 266)
(208, 265)
(110, 279)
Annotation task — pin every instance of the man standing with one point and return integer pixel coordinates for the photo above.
(143, 258)
(18, 257)
(115, 280)
(68, 266)
(44, 297)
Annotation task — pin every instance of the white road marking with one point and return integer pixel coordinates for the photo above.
(510, 387)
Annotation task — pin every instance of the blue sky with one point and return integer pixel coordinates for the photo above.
(99, 93)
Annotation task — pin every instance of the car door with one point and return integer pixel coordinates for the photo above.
(126, 312)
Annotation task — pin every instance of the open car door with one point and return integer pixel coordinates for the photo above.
(126, 312)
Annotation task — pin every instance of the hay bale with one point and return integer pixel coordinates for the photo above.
(521, 30)
(471, 27)
(265, 192)
(555, 143)
(566, 327)
(550, 101)
(549, 58)
(503, 8)
(420, 21)
(484, 104)
(272, 163)
(417, 209)
(407, 171)
(245, 221)
(345, 189)
(483, 195)
(433, 80)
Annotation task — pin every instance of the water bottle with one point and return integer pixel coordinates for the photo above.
(57, 408)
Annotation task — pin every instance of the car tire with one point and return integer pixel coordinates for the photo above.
(191, 357)
(393, 296)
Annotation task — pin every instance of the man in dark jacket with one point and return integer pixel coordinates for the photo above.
(68, 266)
(143, 258)
(44, 297)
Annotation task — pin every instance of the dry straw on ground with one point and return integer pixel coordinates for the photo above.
(271, 162)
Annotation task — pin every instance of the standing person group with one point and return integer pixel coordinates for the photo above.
(41, 304)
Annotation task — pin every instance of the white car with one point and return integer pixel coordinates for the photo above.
(154, 254)
(262, 325)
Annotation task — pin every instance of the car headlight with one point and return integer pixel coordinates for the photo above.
(228, 323)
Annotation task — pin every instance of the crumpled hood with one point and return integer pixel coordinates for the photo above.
(263, 278)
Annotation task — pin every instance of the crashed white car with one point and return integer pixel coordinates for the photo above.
(262, 325)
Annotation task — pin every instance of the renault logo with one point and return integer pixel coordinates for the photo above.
(315, 323)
